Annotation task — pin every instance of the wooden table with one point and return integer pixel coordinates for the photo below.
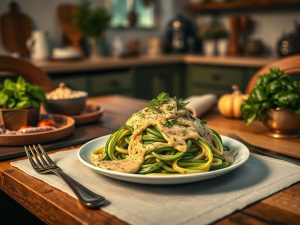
(55, 207)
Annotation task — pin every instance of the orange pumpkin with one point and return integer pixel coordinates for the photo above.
(229, 105)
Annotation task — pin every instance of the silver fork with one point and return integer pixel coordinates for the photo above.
(43, 164)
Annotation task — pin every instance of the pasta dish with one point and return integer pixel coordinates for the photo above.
(164, 138)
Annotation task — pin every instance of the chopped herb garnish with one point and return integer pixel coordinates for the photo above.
(181, 104)
(170, 123)
(190, 117)
(203, 122)
(170, 107)
(160, 99)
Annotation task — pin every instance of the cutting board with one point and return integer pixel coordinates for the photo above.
(65, 14)
(15, 28)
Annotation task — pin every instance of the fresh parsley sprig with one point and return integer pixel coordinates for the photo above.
(163, 97)
(159, 100)
(203, 122)
(181, 104)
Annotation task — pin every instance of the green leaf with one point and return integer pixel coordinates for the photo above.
(274, 87)
(20, 94)
(22, 105)
(272, 90)
(260, 94)
(203, 122)
(171, 123)
(3, 99)
(181, 104)
(159, 100)
(21, 84)
(9, 85)
(11, 103)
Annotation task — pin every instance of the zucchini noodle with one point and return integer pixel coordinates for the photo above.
(164, 138)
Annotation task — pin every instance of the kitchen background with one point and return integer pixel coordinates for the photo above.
(265, 29)
(270, 25)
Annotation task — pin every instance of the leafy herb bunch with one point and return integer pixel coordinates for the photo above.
(92, 22)
(20, 95)
(163, 98)
(272, 90)
(180, 104)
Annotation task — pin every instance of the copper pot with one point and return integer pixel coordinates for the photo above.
(283, 123)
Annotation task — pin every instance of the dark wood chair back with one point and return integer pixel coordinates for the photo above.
(290, 65)
(26, 69)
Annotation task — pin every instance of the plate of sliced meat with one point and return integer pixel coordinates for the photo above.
(57, 128)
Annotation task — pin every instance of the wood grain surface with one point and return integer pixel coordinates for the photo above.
(65, 125)
(256, 134)
(55, 207)
(25, 68)
(15, 28)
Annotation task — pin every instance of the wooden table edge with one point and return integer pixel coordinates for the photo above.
(12, 180)
(27, 190)
(56, 203)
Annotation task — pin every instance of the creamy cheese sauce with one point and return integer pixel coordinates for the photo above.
(176, 126)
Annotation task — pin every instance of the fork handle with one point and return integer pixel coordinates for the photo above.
(85, 196)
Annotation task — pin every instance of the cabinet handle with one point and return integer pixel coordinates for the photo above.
(216, 77)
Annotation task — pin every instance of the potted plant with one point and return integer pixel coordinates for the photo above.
(274, 100)
(215, 40)
(92, 22)
(20, 103)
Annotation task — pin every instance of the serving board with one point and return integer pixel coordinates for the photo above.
(80, 135)
(15, 29)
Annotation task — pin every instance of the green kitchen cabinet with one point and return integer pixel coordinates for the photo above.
(148, 81)
(151, 80)
(73, 82)
(104, 82)
(201, 79)
(111, 82)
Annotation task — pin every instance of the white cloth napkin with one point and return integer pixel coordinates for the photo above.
(200, 104)
(196, 203)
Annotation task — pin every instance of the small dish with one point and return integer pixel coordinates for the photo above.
(91, 113)
(84, 155)
(71, 106)
(67, 53)
(65, 126)
(64, 100)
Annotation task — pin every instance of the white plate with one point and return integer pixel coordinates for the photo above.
(84, 155)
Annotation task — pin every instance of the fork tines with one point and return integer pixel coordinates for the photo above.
(38, 158)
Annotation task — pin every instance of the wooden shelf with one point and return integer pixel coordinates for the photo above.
(240, 5)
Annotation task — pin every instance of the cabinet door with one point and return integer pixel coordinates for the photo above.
(214, 79)
(99, 82)
(73, 82)
(152, 80)
(111, 82)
